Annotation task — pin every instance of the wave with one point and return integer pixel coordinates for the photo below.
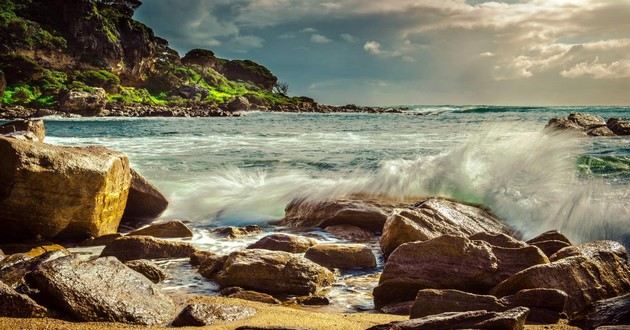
(528, 179)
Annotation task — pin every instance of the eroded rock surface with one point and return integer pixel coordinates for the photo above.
(284, 242)
(146, 247)
(342, 256)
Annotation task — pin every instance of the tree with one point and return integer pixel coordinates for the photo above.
(281, 88)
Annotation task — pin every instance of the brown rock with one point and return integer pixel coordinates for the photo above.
(435, 217)
(550, 247)
(402, 308)
(14, 304)
(350, 233)
(275, 272)
(611, 312)
(498, 239)
(170, 229)
(145, 202)
(24, 127)
(202, 314)
(148, 269)
(284, 242)
(239, 103)
(102, 289)
(545, 305)
(343, 256)
(513, 319)
(102, 240)
(591, 249)
(313, 301)
(83, 103)
(235, 232)
(564, 124)
(586, 120)
(211, 265)
(254, 296)
(367, 214)
(13, 268)
(146, 247)
(619, 126)
(449, 262)
(600, 131)
(552, 235)
(41, 186)
(585, 280)
(200, 257)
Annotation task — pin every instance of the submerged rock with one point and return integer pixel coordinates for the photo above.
(513, 319)
(33, 129)
(146, 247)
(170, 229)
(202, 314)
(584, 279)
(274, 272)
(342, 256)
(145, 202)
(148, 269)
(435, 217)
(284, 242)
(101, 290)
(14, 304)
(449, 262)
(41, 186)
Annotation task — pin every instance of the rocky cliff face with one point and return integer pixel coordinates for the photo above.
(49, 47)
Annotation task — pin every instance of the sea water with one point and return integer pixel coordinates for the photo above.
(237, 171)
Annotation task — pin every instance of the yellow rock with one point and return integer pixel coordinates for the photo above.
(49, 191)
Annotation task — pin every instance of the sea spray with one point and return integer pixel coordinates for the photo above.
(529, 179)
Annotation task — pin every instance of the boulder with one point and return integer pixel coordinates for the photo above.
(34, 128)
(586, 120)
(284, 242)
(170, 229)
(584, 279)
(42, 185)
(600, 131)
(513, 319)
(350, 233)
(313, 300)
(274, 272)
(145, 202)
(449, 262)
(200, 257)
(551, 235)
(239, 293)
(610, 312)
(101, 290)
(210, 266)
(342, 256)
(581, 123)
(14, 304)
(146, 247)
(435, 217)
(550, 247)
(239, 103)
(545, 305)
(235, 232)
(619, 126)
(101, 240)
(14, 267)
(401, 308)
(148, 269)
(564, 125)
(591, 249)
(82, 102)
(498, 239)
(203, 314)
(367, 214)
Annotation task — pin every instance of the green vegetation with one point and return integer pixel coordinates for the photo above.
(27, 95)
(98, 78)
(130, 95)
(18, 32)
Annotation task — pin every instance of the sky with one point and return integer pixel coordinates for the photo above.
(391, 52)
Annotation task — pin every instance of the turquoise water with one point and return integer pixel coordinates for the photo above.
(219, 171)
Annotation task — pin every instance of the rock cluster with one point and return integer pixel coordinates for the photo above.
(591, 125)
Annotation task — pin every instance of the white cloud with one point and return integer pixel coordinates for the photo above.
(308, 30)
(373, 47)
(319, 39)
(614, 70)
(348, 38)
(486, 54)
(243, 44)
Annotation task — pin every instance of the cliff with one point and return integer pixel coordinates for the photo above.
(54, 51)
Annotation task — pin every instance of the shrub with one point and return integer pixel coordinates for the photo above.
(99, 78)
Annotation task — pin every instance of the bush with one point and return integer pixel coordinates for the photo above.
(99, 78)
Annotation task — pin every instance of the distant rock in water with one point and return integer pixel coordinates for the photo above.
(591, 125)
(41, 186)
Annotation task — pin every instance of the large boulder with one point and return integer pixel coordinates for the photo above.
(169, 229)
(363, 213)
(584, 279)
(619, 126)
(612, 311)
(239, 103)
(284, 242)
(32, 129)
(145, 202)
(342, 256)
(545, 305)
(60, 192)
(101, 290)
(580, 123)
(513, 319)
(146, 247)
(202, 314)
(82, 102)
(435, 217)
(274, 272)
(449, 262)
(591, 249)
(14, 304)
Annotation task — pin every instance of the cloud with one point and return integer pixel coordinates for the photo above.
(614, 70)
(373, 47)
(308, 30)
(319, 39)
(348, 38)
(243, 44)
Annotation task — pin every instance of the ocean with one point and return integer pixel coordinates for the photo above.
(237, 171)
